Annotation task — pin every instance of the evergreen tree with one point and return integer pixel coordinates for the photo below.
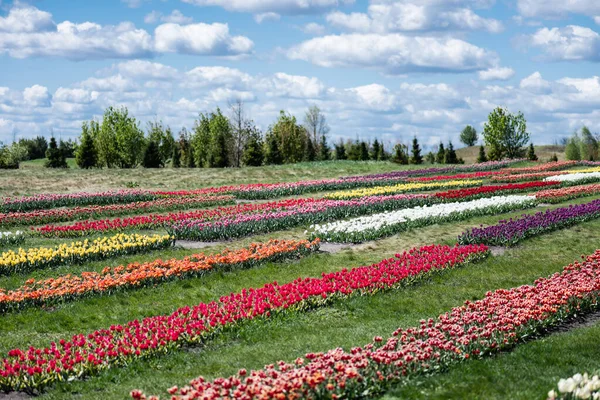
(272, 153)
(340, 151)
(430, 157)
(416, 157)
(481, 158)
(354, 150)
(309, 150)
(152, 157)
(382, 156)
(253, 154)
(220, 136)
(531, 154)
(450, 157)
(400, 154)
(67, 147)
(86, 155)
(554, 158)
(55, 157)
(375, 150)
(441, 154)
(324, 150)
(176, 156)
(363, 151)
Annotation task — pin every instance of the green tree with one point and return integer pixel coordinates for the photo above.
(200, 140)
(375, 150)
(176, 157)
(253, 155)
(469, 136)
(316, 125)
(531, 153)
(430, 157)
(381, 156)
(186, 149)
(589, 145)
(450, 156)
(11, 156)
(272, 153)
(481, 158)
(505, 133)
(363, 151)
(400, 154)
(353, 150)
(86, 156)
(573, 148)
(36, 147)
(416, 157)
(554, 158)
(152, 157)
(324, 150)
(441, 154)
(120, 142)
(309, 150)
(340, 151)
(68, 147)
(55, 157)
(291, 136)
(220, 137)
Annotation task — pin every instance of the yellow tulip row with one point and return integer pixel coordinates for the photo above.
(401, 188)
(585, 170)
(80, 251)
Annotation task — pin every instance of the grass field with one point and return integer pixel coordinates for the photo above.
(528, 372)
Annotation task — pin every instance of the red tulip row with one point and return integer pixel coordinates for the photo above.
(32, 368)
(68, 214)
(536, 176)
(469, 175)
(567, 193)
(485, 191)
(477, 329)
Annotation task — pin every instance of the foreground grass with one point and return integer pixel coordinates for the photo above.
(345, 324)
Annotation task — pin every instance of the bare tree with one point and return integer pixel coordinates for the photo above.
(240, 131)
(315, 124)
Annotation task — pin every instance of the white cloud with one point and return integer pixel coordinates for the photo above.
(36, 95)
(375, 96)
(534, 83)
(284, 85)
(152, 17)
(141, 69)
(222, 95)
(496, 73)
(394, 53)
(200, 77)
(175, 17)
(557, 8)
(79, 96)
(571, 42)
(312, 28)
(285, 7)
(87, 40)
(268, 16)
(113, 83)
(134, 3)
(26, 19)
(413, 16)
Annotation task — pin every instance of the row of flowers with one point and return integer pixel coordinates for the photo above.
(489, 190)
(79, 355)
(68, 214)
(567, 193)
(468, 175)
(537, 176)
(152, 221)
(9, 238)
(510, 232)
(577, 387)
(78, 252)
(401, 188)
(45, 201)
(71, 287)
(499, 321)
(375, 226)
(579, 177)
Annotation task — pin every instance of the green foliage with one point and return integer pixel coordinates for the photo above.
(11, 156)
(441, 154)
(340, 151)
(573, 148)
(375, 148)
(450, 156)
(430, 157)
(152, 157)
(176, 157)
(589, 145)
(86, 156)
(254, 153)
(400, 154)
(272, 152)
(220, 137)
(363, 151)
(119, 140)
(554, 158)
(309, 150)
(469, 136)
(324, 150)
(200, 141)
(382, 155)
(531, 153)
(291, 137)
(505, 133)
(68, 147)
(316, 127)
(186, 149)
(416, 157)
(163, 137)
(481, 158)
(36, 147)
(55, 157)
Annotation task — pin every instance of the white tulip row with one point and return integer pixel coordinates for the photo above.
(11, 237)
(574, 177)
(577, 387)
(389, 223)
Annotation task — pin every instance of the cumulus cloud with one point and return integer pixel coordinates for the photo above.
(394, 53)
(295, 86)
(37, 36)
(312, 28)
(414, 16)
(175, 17)
(557, 8)
(496, 74)
(571, 43)
(268, 16)
(283, 7)
(36, 95)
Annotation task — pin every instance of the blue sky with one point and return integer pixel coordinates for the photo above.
(378, 68)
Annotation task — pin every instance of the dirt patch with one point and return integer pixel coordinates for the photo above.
(14, 396)
(497, 250)
(585, 321)
(190, 244)
(333, 248)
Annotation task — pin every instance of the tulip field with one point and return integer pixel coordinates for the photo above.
(379, 281)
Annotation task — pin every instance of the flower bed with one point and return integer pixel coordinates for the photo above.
(469, 175)
(273, 220)
(579, 178)
(78, 252)
(486, 191)
(538, 176)
(567, 193)
(499, 321)
(400, 188)
(11, 238)
(153, 221)
(45, 201)
(80, 355)
(70, 287)
(510, 232)
(390, 223)
(542, 167)
(68, 214)
(577, 387)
